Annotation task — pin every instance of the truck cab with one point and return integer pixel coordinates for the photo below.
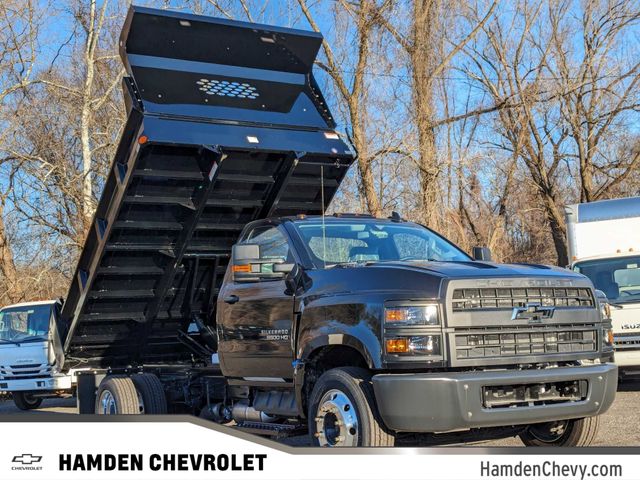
(314, 307)
(604, 245)
(31, 336)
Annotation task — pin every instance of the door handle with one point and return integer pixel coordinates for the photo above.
(231, 299)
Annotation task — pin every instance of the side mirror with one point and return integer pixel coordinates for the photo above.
(283, 267)
(247, 266)
(245, 252)
(482, 254)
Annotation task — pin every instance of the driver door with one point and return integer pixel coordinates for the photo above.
(256, 317)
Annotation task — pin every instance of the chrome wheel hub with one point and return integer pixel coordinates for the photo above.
(336, 421)
(107, 404)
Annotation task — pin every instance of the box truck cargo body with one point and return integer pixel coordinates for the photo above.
(604, 245)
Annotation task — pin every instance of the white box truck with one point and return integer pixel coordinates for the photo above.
(604, 245)
(31, 353)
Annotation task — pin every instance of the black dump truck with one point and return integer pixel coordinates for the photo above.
(212, 283)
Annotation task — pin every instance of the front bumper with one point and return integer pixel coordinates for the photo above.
(447, 401)
(62, 382)
(628, 359)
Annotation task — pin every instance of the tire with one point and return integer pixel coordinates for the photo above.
(117, 396)
(574, 433)
(152, 393)
(343, 413)
(26, 400)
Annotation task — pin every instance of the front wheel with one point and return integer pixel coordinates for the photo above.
(343, 412)
(564, 433)
(26, 400)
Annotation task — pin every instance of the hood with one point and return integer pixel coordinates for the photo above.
(473, 269)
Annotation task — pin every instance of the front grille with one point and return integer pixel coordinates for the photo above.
(627, 341)
(499, 298)
(30, 365)
(525, 341)
(25, 372)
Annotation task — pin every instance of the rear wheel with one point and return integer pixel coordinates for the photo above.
(118, 396)
(149, 387)
(343, 412)
(565, 433)
(26, 400)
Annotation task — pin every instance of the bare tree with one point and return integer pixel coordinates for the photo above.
(19, 26)
(512, 67)
(353, 92)
(425, 46)
(599, 87)
(67, 126)
(91, 18)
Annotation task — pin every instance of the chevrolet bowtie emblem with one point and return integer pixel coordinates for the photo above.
(26, 459)
(532, 312)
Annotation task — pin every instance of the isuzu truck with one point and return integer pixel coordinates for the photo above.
(31, 353)
(604, 245)
(214, 283)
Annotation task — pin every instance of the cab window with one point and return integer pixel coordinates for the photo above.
(273, 243)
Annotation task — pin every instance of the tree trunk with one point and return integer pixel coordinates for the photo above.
(557, 228)
(357, 110)
(7, 264)
(422, 58)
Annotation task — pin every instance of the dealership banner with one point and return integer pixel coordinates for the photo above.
(150, 449)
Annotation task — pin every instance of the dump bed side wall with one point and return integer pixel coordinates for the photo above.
(194, 166)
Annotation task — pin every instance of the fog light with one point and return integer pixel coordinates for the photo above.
(397, 345)
(415, 345)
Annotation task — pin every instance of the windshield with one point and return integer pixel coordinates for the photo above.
(618, 278)
(28, 323)
(358, 241)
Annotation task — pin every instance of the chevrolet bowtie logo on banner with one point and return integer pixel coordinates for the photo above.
(26, 459)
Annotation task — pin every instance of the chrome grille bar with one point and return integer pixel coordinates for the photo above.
(500, 342)
(507, 298)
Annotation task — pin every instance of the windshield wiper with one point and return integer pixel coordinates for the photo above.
(25, 340)
(31, 339)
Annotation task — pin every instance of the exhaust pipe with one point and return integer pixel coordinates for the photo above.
(242, 412)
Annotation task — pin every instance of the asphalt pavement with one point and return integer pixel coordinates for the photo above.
(620, 426)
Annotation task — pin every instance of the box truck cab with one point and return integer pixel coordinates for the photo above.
(604, 245)
(30, 353)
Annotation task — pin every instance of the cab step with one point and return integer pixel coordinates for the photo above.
(275, 430)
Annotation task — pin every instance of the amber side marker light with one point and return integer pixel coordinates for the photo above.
(242, 268)
(143, 139)
(397, 345)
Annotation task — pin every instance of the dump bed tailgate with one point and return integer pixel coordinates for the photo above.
(225, 125)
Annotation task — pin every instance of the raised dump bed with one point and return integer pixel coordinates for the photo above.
(225, 125)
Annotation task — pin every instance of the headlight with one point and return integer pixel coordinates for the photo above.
(605, 309)
(414, 315)
(607, 337)
(603, 304)
(415, 345)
